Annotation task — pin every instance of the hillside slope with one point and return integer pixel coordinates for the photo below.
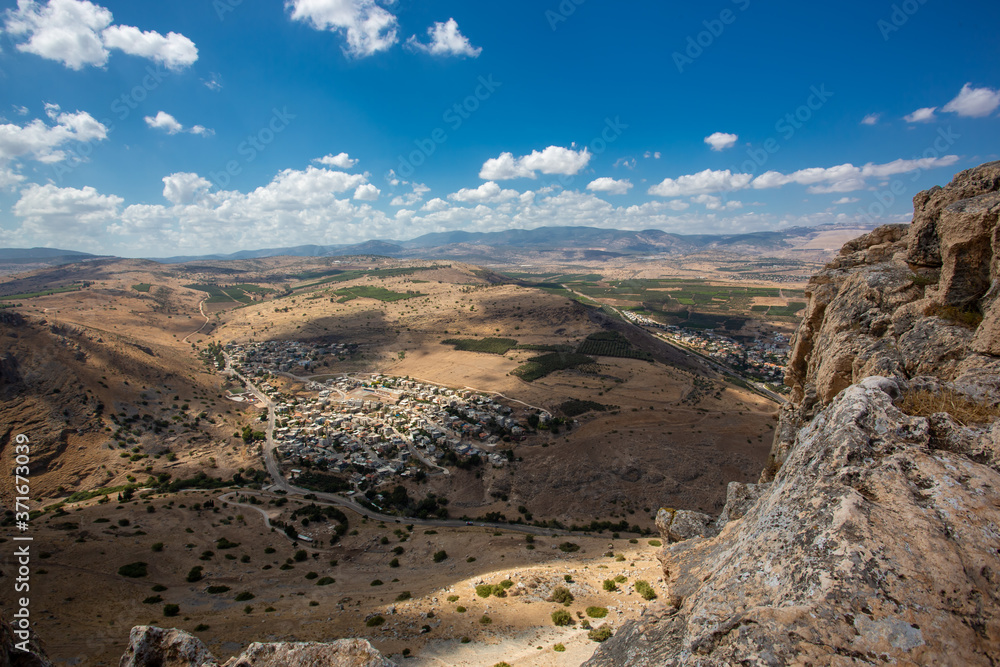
(873, 536)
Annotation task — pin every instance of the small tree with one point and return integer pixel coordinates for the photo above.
(561, 595)
(562, 618)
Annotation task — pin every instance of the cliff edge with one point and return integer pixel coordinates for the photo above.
(874, 535)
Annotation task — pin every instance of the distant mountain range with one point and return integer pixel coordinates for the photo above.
(579, 242)
(590, 243)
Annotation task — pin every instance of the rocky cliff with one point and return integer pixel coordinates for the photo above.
(874, 536)
(157, 647)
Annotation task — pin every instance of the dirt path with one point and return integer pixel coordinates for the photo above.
(201, 307)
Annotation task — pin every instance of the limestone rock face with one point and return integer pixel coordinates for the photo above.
(680, 525)
(903, 301)
(874, 536)
(149, 645)
(157, 647)
(871, 546)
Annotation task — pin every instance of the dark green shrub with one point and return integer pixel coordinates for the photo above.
(561, 595)
(645, 590)
(562, 618)
(134, 570)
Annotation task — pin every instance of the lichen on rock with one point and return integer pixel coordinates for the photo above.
(874, 537)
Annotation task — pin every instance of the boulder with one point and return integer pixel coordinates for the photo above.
(158, 647)
(679, 525)
(342, 653)
(871, 546)
(150, 646)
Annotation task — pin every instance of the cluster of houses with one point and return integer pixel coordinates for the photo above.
(287, 356)
(766, 277)
(374, 427)
(764, 358)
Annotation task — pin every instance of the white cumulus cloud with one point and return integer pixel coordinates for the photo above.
(610, 186)
(164, 121)
(703, 182)
(435, 205)
(367, 192)
(78, 33)
(487, 193)
(924, 115)
(42, 142)
(367, 27)
(340, 160)
(552, 160)
(847, 177)
(720, 141)
(871, 119)
(974, 102)
(713, 203)
(184, 187)
(446, 40)
(68, 214)
(175, 51)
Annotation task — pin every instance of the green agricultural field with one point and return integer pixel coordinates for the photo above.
(215, 293)
(231, 294)
(31, 295)
(253, 289)
(377, 293)
(539, 367)
(611, 344)
(341, 276)
(486, 345)
(142, 287)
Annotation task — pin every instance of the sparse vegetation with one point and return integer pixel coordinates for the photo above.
(133, 570)
(645, 590)
(597, 612)
(923, 403)
(562, 618)
(538, 367)
(485, 345)
(562, 595)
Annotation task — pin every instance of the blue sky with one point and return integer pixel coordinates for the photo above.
(155, 129)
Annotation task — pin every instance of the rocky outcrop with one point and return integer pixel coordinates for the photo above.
(158, 647)
(874, 535)
(905, 301)
(149, 645)
(871, 546)
(19, 646)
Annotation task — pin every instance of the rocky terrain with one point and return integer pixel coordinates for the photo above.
(874, 535)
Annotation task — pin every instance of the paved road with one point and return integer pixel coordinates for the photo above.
(722, 368)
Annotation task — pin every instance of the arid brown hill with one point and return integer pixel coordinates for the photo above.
(872, 538)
